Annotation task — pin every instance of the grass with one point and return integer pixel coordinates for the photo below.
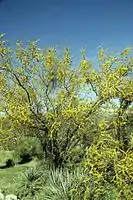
(55, 183)
(10, 178)
(4, 155)
(56, 186)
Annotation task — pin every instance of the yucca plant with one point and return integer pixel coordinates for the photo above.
(60, 185)
(43, 182)
(33, 180)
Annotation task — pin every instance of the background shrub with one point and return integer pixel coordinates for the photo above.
(9, 163)
(27, 148)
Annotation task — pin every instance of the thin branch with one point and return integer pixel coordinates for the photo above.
(93, 88)
(28, 96)
(47, 95)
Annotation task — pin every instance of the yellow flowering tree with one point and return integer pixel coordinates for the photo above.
(42, 91)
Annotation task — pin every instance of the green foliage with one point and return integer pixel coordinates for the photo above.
(9, 163)
(60, 184)
(27, 148)
(32, 181)
(48, 183)
(106, 165)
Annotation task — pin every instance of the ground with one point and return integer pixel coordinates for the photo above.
(10, 178)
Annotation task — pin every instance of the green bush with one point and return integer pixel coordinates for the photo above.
(108, 171)
(44, 183)
(33, 179)
(9, 163)
(60, 185)
(27, 148)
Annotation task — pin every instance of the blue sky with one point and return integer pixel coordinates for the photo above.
(69, 23)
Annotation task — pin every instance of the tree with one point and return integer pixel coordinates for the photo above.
(42, 91)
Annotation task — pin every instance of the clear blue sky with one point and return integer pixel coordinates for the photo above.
(73, 23)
